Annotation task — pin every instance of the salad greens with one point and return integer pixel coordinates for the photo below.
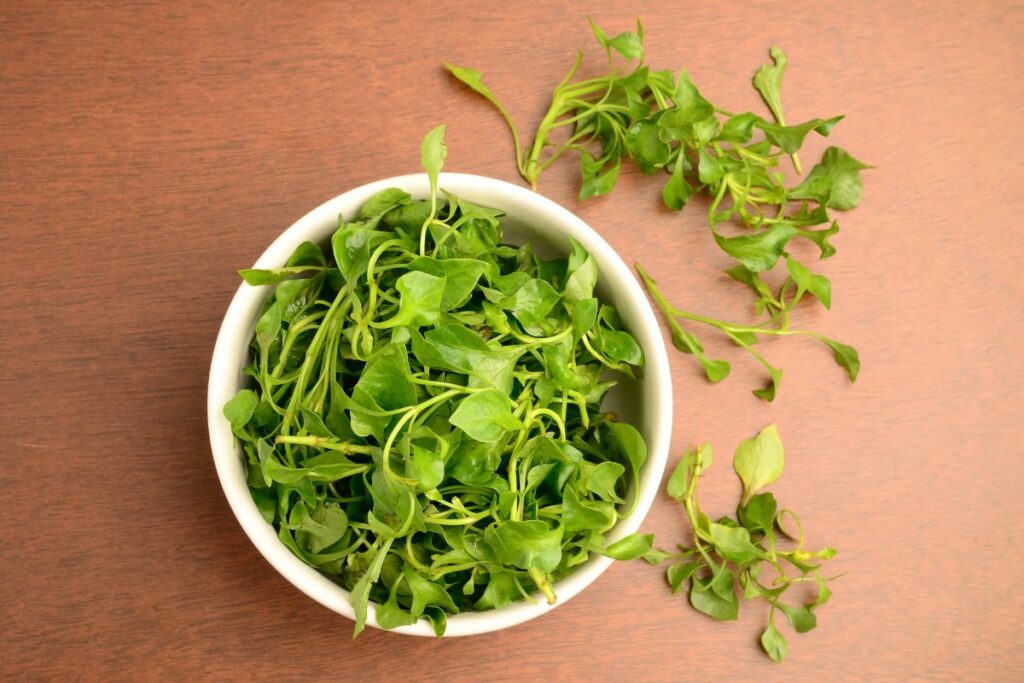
(742, 552)
(662, 123)
(423, 422)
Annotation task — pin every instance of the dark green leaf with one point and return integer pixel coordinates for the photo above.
(835, 181)
(421, 300)
(758, 515)
(758, 252)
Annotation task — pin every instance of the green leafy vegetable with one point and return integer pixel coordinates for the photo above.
(744, 553)
(423, 423)
(662, 122)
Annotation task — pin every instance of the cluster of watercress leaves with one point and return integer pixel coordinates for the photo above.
(661, 122)
(742, 554)
(423, 422)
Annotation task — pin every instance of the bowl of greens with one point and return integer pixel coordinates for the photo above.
(436, 399)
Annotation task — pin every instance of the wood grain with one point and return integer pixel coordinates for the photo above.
(149, 150)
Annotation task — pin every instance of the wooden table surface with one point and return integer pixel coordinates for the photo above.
(148, 151)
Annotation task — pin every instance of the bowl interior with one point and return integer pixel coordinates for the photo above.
(646, 403)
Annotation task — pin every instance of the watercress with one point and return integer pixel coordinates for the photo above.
(423, 422)
(742, 554)
(659, 120)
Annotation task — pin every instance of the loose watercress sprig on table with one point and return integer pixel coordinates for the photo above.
(423, 424)
(744, 552)
(661, 122)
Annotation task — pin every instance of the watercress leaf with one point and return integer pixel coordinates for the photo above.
(266, 502)
(677, 191)
(619, 346)
(704, 131)
(715, 595)
(693, 463)
(268, 326)
(834, 181)
(690, 105)
(474, 463)
(821, 238)
(790, 138)
(845, 356)
(631, 446)
(603, 480)
(645, 146)
(239, 409)
(805, 280)
(500, 592)
(758, 461)
(460, 277)
(582, 515)
(420, 302)
(453, 347)
(427, 468)
(352, 245)
(386, 381)
(581, 281)
(774, 643)
(390, 615)
(527, 544)
(532, 302)
(432, 154)
(767, 393)
(758, 515)
(382, 202)
(768, 82)
(801, 618)
(361, 591)
(426, 592)
(273, 276)
(741, 273)
(600, 182)
(709, 170)
(738, 128)
(485, 415)
(331, 524)
(630, 547)
(331, 466)
(474, 79)
(408, 219)
(733, 543)
(678, 573)
(628, 44)
(758, 252)
(584, 316)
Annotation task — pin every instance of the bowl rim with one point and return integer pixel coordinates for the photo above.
(231, 349)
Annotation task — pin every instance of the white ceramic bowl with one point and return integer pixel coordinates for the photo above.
(647, 403)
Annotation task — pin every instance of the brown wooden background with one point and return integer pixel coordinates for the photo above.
(148, 151)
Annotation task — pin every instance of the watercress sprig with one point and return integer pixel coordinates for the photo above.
(760, 552)
(661, 122)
